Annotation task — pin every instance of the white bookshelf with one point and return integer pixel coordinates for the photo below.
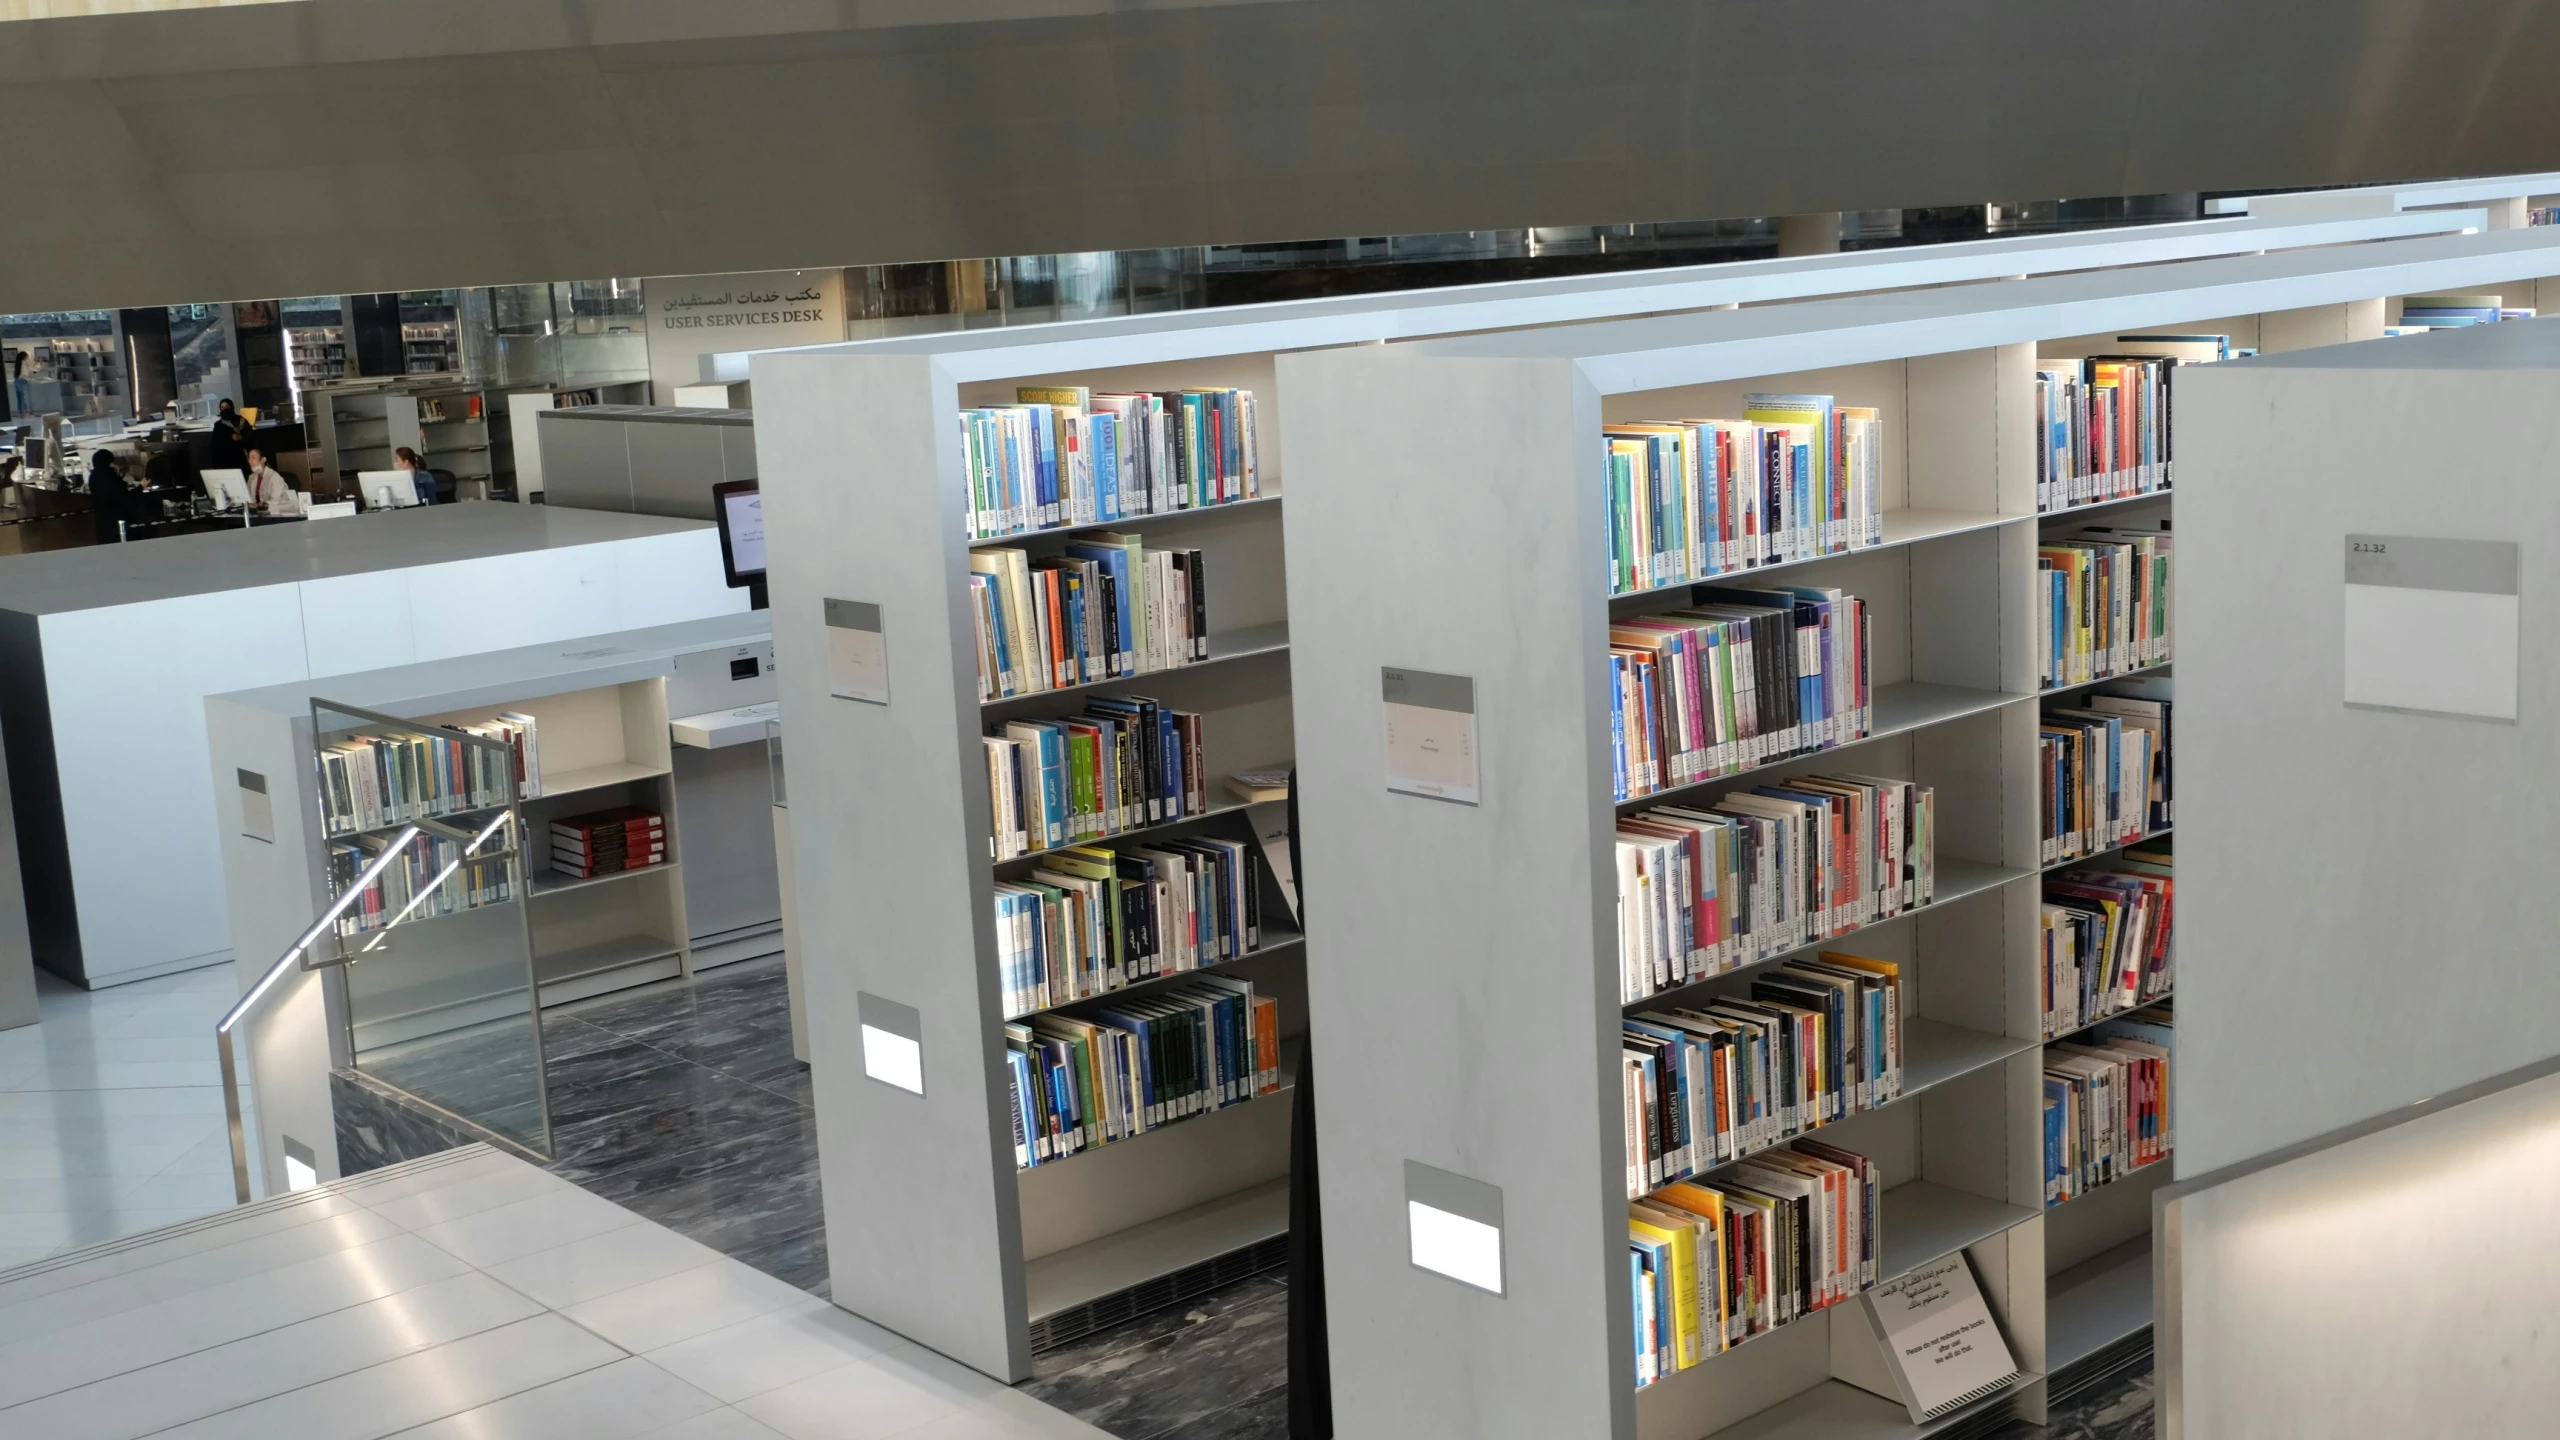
(1446, 515)
(931, 1232)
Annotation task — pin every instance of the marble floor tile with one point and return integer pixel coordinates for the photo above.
(1264, 1417)
(2118, 1410)
(1176, 1367)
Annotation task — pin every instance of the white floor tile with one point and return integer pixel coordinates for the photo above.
(860, 1401)
(12, 1256)
(231, 1230)
(436, 1171)
(195, 1192)
(56, 1194)
(119, 1075)
(75, 1355)
(689, 1303)
(92, 1107)
(602, 1264)
(619, 1401)
(503, 1181)
(415, 1389)
(1010, 1415)
(723, 1424)
(504, 1232)
(770, 1351)
(264, 1372)
(151, 1283)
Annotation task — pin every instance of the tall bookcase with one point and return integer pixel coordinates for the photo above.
(1446, 516)
(929, 1230)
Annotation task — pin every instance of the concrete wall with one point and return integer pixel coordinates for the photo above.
(364, 145)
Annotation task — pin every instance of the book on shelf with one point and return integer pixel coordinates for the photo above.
(1942, 1346)
(2104, 420)
(434, 876)
(1712, 1264)
(1799, 476)
(1137, 1064)
(1738, 680)
(2107, 934)
(1104, 609)
(2450, 312)
(1065, 456)
(2106, 1103)
(2104, 758)
(606, 842)
(2102, 606)
(1260, 787)
(1272, 837)
(373, 781)
(1812, 1042)
(1093, 920)
(1754, 874)
(1125, 763)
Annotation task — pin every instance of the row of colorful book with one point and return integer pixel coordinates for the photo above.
(1760, 872)
(2102, 607)
(433, 876)
(1741, 679)
(2105, 762)
(2106, 1103)
(1812, 1042)
(2107, 933)
(1066, 456)
(1138, 1063)
(372, 782)
(1092, 920)
(1125, 763)
(1798, 477)
(2103, 420)
(1712, 1264)
(1107, 607)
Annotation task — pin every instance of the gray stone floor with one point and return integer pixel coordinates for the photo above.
(682, 1103)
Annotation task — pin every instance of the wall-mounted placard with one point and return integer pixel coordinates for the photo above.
(257, 808)
(1453, 1225)
(857, 653)
(2432, 626)
(1431, 734)
(892, 1042)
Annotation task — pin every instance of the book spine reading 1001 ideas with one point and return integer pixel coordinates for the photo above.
(2106, 1103)
(1760, 872)
(1066, 456)
(1139, 1063)
(1712, 1264)
(1743, 678)
(1101, 611)
(1094, 920)
(1799, 476)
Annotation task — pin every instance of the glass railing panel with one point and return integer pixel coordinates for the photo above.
(437, 950)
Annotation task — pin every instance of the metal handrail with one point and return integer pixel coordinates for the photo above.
(291, 959)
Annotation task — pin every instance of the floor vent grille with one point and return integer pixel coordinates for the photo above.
(1165, 1291)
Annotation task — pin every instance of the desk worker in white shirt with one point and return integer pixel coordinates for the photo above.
(267, 488)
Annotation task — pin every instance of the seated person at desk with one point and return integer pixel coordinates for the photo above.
(407, 459)
(110, 501)
(223, 449)
(268, 490)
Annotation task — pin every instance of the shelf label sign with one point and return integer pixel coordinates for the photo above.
(892, 1042)
(2432, 626)
(1453, 1225)
(1431, 734)
(857, 653)
(257, 808)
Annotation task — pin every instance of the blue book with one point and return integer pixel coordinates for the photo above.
(1618, 724)
(1102, 431)
(1044, 462)
(1114, 560)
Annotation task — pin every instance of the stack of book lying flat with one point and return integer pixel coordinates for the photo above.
(626, 837)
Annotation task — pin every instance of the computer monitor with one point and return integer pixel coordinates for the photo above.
(738, 506)
(228, 489)
(385, 489)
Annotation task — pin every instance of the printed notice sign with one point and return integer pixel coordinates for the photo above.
(1939, 1339)
(1431, 735)
(857, 653)
(2432, 626)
